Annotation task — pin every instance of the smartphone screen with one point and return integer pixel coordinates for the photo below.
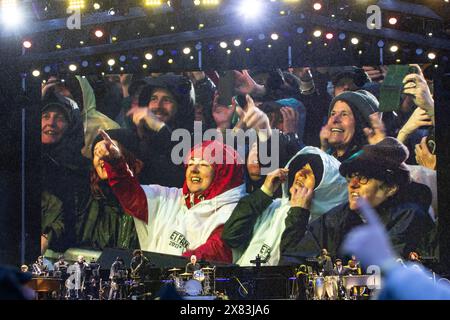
(226, 88)
(392, 87)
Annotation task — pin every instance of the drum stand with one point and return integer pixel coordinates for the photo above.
(207, 285)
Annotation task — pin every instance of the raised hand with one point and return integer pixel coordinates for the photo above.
(145, 116)
(416, 86)
(301, 197)
(245, 84)
(418, 119)
(222, 114)
(377, 132)
(107, 149)
(274, 180)
(290, 120)
(255, 118)
(423, 156)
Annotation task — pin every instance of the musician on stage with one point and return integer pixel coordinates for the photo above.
(193, 265)
(325, 263)
(61, 265)
(39, 267)
(138, 264)
(117, 275)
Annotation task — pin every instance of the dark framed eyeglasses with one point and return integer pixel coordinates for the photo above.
(361, 179)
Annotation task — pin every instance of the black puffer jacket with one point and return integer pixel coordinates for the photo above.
(405, 217)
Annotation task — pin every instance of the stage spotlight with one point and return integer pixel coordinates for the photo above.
(261, 36)
(317, 33)
(250, 9)
(300, 30)
(393, 21)
(197, 2)
(85, 64)
(223, 45)
(111, 62)
(210, 2)
(431, 56)
(148, 56)
(10, 13)
(122, 58)
(98, 33)
(76, 4)
(113, 39)
(27, 44)
(380, 44)
(47, 69)
(228, 51)
(170, 61)
(58, 46)
(342, 36)
(274, 36)
(82, 42)
(96, 6)
(237, 43)
(329, 36)
(198, 46)
(36, 73)
(144, 66)
(112, 11)
(153, 3)
(317, 6)
(419, 51)
(393, 48)
(160, 52)
(73, 67)
(354, 41)
(186, 50)
(191, 57)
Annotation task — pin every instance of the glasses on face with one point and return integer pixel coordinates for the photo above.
(361, 179)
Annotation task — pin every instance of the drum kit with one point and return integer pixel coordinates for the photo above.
(193, 284)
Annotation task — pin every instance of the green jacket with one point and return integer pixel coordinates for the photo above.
(52, 218)
(104, 224)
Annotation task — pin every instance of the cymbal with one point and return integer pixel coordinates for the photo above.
(174, 269)
(186, 274)
(207, 269)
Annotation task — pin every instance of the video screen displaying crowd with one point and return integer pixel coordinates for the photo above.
(109, 179)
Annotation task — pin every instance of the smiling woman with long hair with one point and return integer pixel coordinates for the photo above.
(103, 222)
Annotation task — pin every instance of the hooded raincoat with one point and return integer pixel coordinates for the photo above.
(174, 221)
(268, 217)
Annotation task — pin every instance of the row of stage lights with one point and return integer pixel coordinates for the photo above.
(317, 34)
(11, 10)
(118, 63)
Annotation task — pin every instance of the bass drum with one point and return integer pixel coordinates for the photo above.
(193, 287)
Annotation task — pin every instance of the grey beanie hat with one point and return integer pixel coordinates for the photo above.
(361, 101)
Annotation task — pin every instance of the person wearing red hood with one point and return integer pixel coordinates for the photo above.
(182, 221)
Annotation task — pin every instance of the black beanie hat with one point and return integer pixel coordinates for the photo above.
(358, 75)
(384, 161)
(314, 160)
(361, 102)
(55, 100)
(127, 138)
